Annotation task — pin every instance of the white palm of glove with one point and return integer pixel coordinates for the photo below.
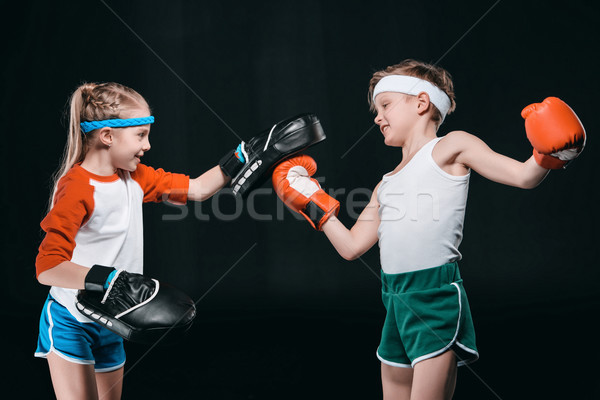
(567, 155)
(570, 153)
(300, 181)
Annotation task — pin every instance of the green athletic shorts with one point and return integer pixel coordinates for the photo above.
(427, 314)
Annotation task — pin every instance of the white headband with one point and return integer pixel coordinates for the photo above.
(414, 86)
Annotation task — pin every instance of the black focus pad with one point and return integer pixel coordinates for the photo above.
(139, 309)
(267, 149)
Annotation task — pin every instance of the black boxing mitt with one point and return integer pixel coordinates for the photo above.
(249, 165)
(135, 307)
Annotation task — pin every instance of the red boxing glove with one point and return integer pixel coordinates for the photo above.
(554, 131)
(295, 187)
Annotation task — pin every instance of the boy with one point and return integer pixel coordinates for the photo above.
(416, 214)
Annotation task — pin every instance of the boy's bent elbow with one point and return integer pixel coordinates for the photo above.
(530, 185)
(351, 255)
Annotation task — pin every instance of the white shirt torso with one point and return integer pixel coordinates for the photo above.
(421, 211)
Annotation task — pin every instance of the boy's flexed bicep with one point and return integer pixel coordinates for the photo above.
(463, 148)
(354, 242)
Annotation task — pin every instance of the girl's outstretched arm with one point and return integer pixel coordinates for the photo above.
(207, 184)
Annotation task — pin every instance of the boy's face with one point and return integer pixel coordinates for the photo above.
(395, 116)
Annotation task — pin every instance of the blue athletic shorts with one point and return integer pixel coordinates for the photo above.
(78, 342)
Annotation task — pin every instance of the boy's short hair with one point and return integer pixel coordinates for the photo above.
(429, 72)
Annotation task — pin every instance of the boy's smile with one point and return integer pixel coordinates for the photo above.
(393, 115)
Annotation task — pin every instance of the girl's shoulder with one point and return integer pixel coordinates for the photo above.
(74, 186)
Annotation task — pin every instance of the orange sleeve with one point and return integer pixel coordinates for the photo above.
(159, 185)
(73, 205)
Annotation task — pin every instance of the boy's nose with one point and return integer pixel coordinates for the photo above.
(378, 119)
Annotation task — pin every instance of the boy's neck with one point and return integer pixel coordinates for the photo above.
(420, 135)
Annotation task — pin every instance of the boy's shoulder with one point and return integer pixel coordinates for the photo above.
(452, 141)
(454, 136)
(456, 141)
(448, 149)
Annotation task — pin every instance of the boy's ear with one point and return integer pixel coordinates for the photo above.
(106, 136)
(423, 103)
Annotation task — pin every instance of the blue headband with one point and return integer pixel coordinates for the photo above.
(115, 123)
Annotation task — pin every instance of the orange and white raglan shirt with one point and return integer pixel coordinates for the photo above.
(98, 220)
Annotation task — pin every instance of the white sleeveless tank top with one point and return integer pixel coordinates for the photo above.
(422, 210)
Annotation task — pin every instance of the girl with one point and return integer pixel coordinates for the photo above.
(95, 217)
(416, 214)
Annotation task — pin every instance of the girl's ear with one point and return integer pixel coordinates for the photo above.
(423, 103)
(106, 136)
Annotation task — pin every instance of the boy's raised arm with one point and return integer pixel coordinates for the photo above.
(555, 132)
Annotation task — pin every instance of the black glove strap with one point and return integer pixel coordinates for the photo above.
(230, 164)
(314, 212)
(96, 277)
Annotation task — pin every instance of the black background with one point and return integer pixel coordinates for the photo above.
(281, 315)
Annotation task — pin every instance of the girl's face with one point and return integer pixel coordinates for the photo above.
(395, 116)
(130, 144)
